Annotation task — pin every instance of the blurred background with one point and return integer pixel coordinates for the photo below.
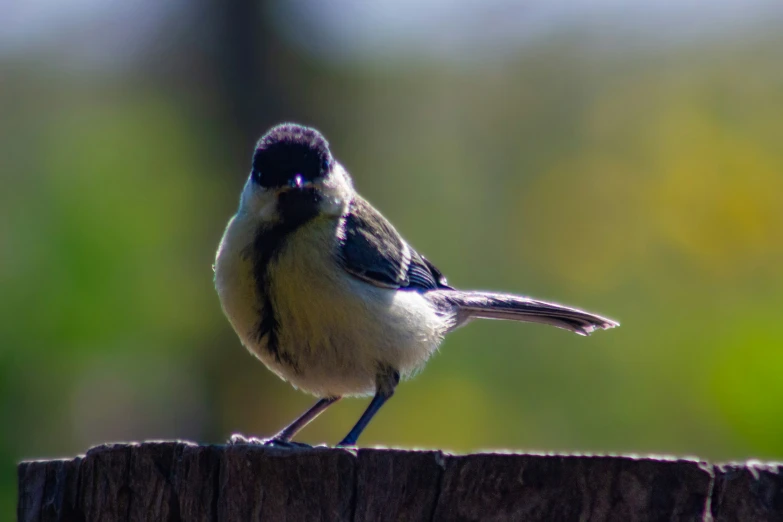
(626, 158)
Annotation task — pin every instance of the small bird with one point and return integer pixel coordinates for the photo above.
(323, 290)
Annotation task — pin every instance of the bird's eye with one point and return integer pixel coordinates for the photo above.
(256, 176)
(326, 164)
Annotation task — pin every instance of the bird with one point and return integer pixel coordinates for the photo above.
(321, 287)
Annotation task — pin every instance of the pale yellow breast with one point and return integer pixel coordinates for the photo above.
(324, 323)
(337, 329)
(234, 280)
(340, 328)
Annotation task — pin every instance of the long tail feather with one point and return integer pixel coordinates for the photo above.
(486, 305)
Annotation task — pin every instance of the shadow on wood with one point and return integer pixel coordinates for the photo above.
(171, 481)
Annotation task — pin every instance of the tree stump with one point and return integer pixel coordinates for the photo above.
(171, 481)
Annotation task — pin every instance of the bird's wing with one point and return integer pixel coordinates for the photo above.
(372, 250)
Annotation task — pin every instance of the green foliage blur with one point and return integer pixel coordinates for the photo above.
(645, 185)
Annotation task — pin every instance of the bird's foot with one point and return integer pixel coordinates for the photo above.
(238, 438)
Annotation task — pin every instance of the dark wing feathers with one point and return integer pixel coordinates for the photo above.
(424, 275)
(440, 279)
(372, 250)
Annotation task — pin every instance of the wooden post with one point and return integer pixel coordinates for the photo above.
(171, 481)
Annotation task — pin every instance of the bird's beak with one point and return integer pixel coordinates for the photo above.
(298, 183)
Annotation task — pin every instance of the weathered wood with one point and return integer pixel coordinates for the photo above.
(748, 491)
(530, 487)
(172, 481)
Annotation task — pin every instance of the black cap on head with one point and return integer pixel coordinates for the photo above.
(290, 150)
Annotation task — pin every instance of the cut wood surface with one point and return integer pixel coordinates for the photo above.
(171, 481)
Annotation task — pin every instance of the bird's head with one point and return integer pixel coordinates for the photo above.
(294, 177)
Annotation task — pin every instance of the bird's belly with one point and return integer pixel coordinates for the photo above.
(339, 332)
(337, 345)
(333, 332)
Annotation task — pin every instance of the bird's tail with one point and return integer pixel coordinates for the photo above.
(487, 305)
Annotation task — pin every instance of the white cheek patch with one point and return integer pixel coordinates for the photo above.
(267, 210)
(332, 206)
(337, 191)
(259, 201)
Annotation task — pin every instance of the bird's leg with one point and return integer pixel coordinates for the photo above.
(283, 438)
(387, 380)
(287, 433)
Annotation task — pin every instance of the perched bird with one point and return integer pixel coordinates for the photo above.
(321, 287)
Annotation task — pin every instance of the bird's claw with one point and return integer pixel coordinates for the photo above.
(289, 444)
(238, 438)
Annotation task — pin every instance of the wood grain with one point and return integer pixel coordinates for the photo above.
(172, 481)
